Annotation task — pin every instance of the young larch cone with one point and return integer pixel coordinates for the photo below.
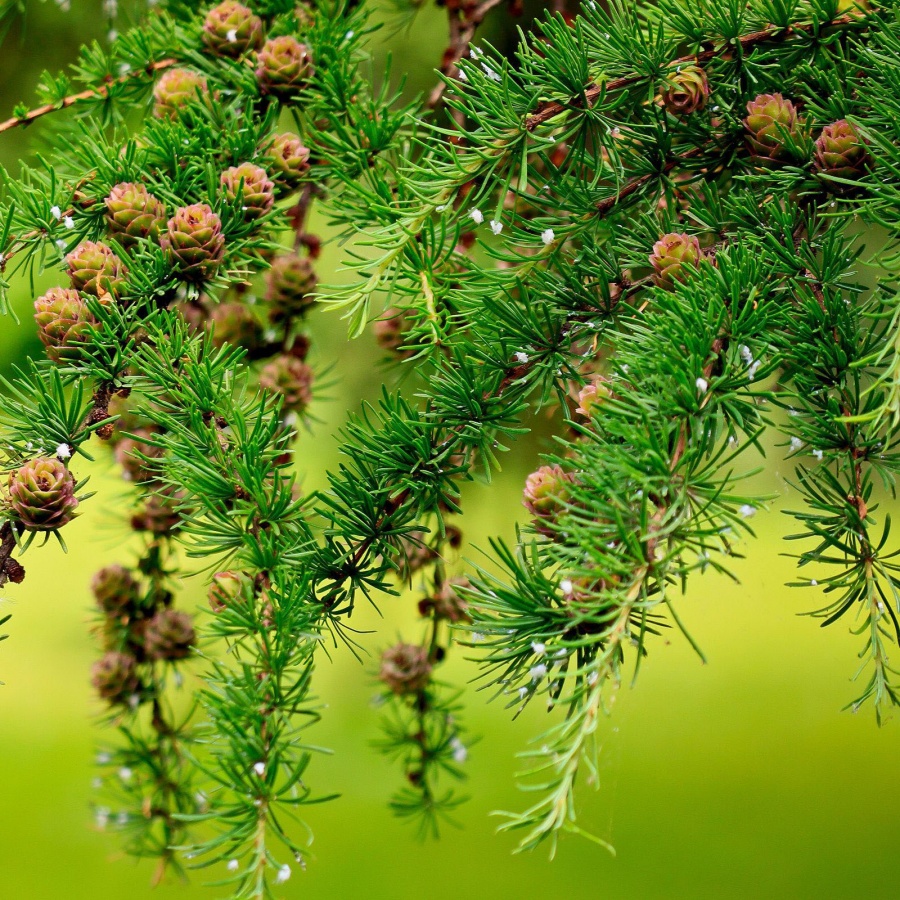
(283, 66)
(290, 285)
(115, 679)
(134, 214)
(447, 603)
(391, 331)
(161, 514)
(256, 189)
(234, 323)
(413, 553)
(770, 119)
(194, 241)
(671, 255)
(64, 323)
(135, 456)
(546, 492)
(42, 494)
(115, 589)
(545, 488)
(593, 395)
(225, 589)
(291, 378)
(231, 29)
(841, 153)
(405, 668)
(95, 269)
(176, 88)
(290, 159)
(686, 91)
(169, 635)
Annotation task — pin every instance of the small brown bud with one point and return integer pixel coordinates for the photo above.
(115, 678)
(115, 590)
(225, 589)
(169, 635)
(291, 378)
(405, 668)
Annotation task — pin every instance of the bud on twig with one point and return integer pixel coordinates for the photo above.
(405, 668)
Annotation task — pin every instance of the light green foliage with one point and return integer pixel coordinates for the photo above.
(557, 225)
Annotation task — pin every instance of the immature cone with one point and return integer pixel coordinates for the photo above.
(161, 514)
(174, 89)
(225, 589)
(290, 377)
(545, 495)
(405, 668)
(290, 159)
(133, 453)
(447, 603)
(770, 118)
(841, 153)
(95, 269)
(283, 66)
(115, 678)
(257, 191)
(234, 323)
(169, 635)
(290, 284)
(671, 255)
(115, 590)
(391, 331)
(593, 395)
(42, 494)
(686, 91)
(194, 241)
(413, 553)
(230, 29)
(133, 214)
(64, 323)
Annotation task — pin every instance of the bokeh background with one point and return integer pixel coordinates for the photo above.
(738, 779)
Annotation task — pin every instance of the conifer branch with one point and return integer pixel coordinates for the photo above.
(99, 92)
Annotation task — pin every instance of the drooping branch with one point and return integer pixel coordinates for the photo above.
(95, 93)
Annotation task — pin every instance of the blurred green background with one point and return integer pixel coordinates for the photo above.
(740, 779)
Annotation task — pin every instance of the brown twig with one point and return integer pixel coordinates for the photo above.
(91, 93)
(10, 569)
